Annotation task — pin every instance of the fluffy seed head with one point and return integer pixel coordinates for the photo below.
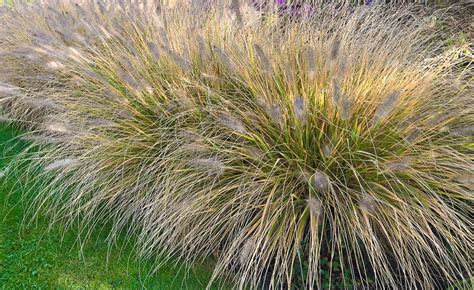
(39, 103)
(263, 104)
(277, 114)
(154, 50)
(399, 165)
(299, 105)
(235, 7)
(246, 251)
(255, 153)
(7, 90)
(311, 61)
(335, 48)
(320, 182)
(224, 57)
(212, 166)
(465, 131)
(413, 135)
(58, 128)
(178, 59)
(45, 140)
(265, 62)
(232, 123)
(467, 180)
(387, 106)
(55, 65)
(327, 149)
(58, 164)
(368, 203)
(336, 92)
(315, 206)
(345, 107)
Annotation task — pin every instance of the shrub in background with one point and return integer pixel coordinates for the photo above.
(296, 150)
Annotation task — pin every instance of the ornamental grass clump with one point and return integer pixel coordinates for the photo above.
(273, 143)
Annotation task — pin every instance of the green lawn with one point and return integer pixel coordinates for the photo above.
(32, 257)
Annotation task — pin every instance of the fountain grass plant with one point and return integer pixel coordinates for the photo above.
(273, 143)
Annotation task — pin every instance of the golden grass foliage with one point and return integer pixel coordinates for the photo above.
(270, 140)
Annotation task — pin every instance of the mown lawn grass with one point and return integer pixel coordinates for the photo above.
(37, 257)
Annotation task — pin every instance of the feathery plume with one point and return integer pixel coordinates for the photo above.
(320, 181)
(246, 251)
(202, 47)
(315, 206)
(182, 63)
(367, 203)
(58, 128)
(125, 114)
(224, 58)
(334, 50)
(399, 165)
(210, 76)
(76, 55)
(188, 135)
(387, 106)
(149, 90)
(41, 37)
(129, 80)
(35, 49)
(342, 102)
(263, 104)
(466, 180)
(163, 37)
(277, 114)
(153, 48)
(336, 92)
(213, 165)
(194, 147)
(345, 107)
(99, 122)
(327, 149)
(299, 105)
(55, 65)
(440, 118)
(255, 153)
(40, 103)
(231, 122)
(464, 131)
(102, 8)
(93, 75)
(60, 164)
(75, 36)
(7, 90)
(413, 135)
(39, 139)
(235, 8)
(288, 72)
(311, 61)
(266, 65)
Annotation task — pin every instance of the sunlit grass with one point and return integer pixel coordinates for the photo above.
(39, 256)
(276, 144)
